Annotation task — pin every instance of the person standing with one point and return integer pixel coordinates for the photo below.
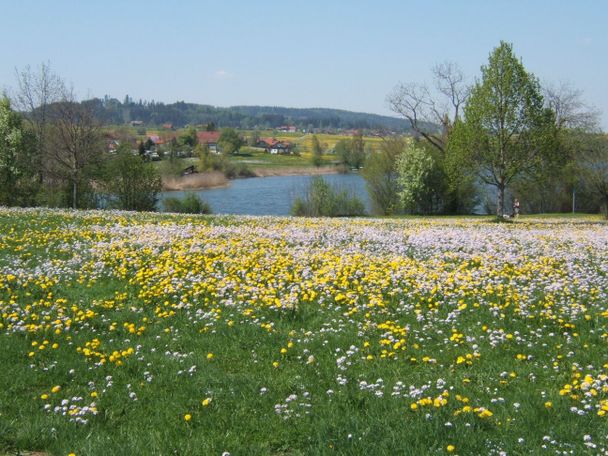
(515, 208)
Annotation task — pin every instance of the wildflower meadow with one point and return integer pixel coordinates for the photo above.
(125, 334)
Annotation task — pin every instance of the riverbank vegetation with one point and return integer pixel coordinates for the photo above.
(190, 204)
(323, 200)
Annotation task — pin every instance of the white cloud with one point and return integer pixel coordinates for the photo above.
(222, 75)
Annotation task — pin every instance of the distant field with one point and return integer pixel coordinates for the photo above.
(328, 142)
(128, 334)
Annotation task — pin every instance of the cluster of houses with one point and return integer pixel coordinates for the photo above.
(211, 138)
(270, 145)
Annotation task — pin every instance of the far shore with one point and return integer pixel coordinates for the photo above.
(216, 179)
(296, 171)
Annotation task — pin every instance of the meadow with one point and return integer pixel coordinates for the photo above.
(132, 333)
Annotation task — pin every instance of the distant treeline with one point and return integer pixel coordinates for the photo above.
(111, 111)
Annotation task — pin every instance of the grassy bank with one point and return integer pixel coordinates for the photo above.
(129, 333)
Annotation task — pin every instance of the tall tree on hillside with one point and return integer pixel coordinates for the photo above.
(506, 129)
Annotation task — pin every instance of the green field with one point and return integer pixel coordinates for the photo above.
(137, 333)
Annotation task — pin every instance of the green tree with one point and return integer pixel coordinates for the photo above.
(17, 171)
(557, 184)
(357, 151)
(351, 153)
(381, 176)
(133, 183)
(188, 137)
(417, 174)
(506, 129)
(204, 157)
(230, 142)
(317, 152)
(253, 138)
(593, 163)
(342, 150)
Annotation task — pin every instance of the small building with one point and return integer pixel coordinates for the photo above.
(137, 123)
(157, 140)
(274, 146)
(281, 147)
(210, 138)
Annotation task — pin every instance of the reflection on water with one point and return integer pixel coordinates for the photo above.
(269, 195)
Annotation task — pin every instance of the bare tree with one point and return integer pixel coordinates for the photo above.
(575, 122)
(432, 113)
(570, 110)
(76, 141)
(37, 91)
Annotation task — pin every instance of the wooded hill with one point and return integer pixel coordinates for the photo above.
(179, 114)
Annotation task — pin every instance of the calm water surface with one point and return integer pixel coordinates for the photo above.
(270, 195)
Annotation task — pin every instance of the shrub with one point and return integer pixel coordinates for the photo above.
(191, 204)
(133, 183)
(214, 162)
(322, 200)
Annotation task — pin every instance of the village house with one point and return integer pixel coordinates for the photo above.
(274, 146)
(156, 139)
(211, 138)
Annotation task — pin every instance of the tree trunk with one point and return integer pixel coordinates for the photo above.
(74, 193)
(500, 204)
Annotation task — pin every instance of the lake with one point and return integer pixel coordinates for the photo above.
(269, 195)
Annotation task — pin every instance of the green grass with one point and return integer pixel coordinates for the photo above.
(205, 284)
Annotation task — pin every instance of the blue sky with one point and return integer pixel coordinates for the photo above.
(338, 54)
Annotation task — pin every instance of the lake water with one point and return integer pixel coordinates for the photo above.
(270, 195)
